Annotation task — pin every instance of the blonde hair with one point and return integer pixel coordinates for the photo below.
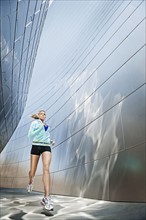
(35, 116)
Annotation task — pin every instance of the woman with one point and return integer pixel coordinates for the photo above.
(39, 133)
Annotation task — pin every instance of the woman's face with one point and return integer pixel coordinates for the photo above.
(42, 115)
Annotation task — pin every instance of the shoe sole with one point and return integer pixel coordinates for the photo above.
(29, 191)
(45, 207)
(48, 209)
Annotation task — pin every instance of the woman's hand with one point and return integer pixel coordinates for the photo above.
(52, 142)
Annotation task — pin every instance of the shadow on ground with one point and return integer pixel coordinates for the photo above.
(17, 204)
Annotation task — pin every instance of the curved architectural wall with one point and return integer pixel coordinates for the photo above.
(21, 26)
(95, 102)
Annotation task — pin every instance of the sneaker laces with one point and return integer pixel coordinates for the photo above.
(49, 199)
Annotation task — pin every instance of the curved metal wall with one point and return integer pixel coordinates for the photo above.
(95, 103)
(21, 26)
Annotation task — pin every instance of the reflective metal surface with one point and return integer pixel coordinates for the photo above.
(20, 31)
(94, 97)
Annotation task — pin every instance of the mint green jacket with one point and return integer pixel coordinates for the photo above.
(38, 134)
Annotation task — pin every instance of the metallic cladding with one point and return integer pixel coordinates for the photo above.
(21, 27)
(96, 110)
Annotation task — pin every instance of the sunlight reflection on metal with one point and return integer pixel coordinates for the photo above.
(94, 97)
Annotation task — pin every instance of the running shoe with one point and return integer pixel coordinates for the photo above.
(47, 203)
(29, 188)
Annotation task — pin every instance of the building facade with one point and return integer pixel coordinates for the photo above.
(21, 26)
(95, 104)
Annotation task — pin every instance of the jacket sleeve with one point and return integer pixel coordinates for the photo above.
(34, 130)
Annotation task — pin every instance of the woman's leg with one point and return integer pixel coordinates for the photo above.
(46, 160)
(33, 166)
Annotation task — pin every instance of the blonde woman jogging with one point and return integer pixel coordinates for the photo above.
(41, 146)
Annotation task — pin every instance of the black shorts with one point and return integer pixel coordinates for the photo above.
(38, 150)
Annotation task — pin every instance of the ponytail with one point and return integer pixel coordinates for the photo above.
(35, 116)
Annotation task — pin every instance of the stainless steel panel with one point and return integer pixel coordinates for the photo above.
(7, 68)
(129, 77)
(6, 182)
(14, 19)
(6, 7)
(27, 36)
(18, 50)
(18, 182)
(96, 180)
(71, 153)
(127, 175)
(94, 96)
(57, 186)
(21, 17)
(107, 134)
(23, 169)
(7, 34)
(31, 10)
(133, 118)
(55, 160)
(38, 184)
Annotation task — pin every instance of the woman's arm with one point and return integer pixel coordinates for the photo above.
(33, 130)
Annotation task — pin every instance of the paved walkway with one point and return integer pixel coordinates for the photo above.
(18, 204)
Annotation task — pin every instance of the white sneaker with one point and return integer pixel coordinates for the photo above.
(51, 200)
(29, 188)
(47, 203)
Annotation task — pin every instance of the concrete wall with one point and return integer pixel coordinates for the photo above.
(95, 104)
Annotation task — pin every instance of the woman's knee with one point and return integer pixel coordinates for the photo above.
(46, 169)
